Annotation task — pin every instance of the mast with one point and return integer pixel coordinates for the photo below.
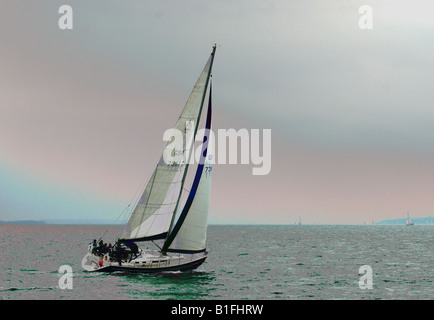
(190, 229)
(172, 233)
(153, 216)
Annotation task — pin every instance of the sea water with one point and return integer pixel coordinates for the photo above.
(297, 262)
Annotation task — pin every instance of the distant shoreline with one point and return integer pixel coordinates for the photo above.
(57, 222)
(401, 221)
(23, 222)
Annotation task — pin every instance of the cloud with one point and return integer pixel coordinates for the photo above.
(86, 109)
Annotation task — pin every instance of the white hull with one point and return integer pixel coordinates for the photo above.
(148, 261)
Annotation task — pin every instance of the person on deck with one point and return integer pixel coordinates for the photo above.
(94, 246)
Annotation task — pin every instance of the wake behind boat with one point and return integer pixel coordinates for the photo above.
(165, 211)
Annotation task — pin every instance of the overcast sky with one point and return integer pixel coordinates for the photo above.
(83, 111)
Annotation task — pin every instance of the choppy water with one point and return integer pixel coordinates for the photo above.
(245, 262)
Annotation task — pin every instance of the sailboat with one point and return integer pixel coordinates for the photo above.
(164, 211)
(409, 223)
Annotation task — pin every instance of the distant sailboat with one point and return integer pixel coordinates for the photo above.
(409, 223)
(162, 213)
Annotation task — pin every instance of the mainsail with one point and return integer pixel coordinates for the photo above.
(153, 215)
(189, 233)
(409, 223)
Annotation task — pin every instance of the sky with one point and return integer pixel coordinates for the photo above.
(83, 111)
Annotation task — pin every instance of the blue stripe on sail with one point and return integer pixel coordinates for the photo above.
(186, 251)
(154, 237)
(195, 182)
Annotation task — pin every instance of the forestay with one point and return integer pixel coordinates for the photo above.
(152, 216)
